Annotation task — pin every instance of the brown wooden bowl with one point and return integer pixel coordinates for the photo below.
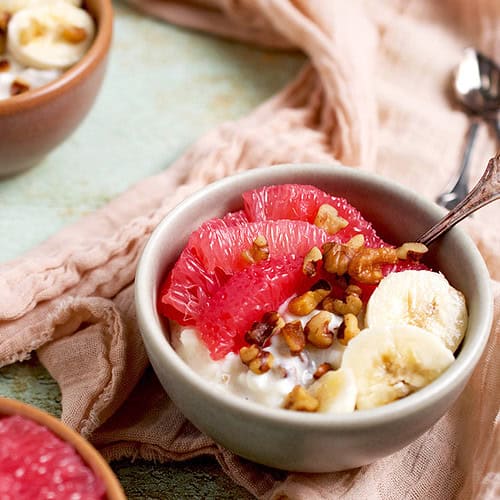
(35, 122)
(88, 453)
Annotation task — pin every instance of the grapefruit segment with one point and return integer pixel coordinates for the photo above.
(213, 254)
(301, 202)
(221, 247)
(245, 297)
(35, 463)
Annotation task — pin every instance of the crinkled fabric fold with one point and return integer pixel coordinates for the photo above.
(372, 96)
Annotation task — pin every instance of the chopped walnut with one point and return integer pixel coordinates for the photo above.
(294, 336)
(328, 219)
(4, 65)
(35, 29)
(365, 264)
(18, 87)
(261, 331)
(249, 353)
(311, 261)
(73, 34)
(257, 360)
(322, 369)
(258, 251)
(262, 363)
(356, 241)
(352, 304)
(336, 257)
(411, 250)
(348, 330)
(299, 399)
(4, 21)
(317, 330)
(353, 290)
(304, 304)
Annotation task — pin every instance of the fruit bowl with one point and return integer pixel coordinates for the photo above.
(41, 422)
(313, 442)
(33, 123)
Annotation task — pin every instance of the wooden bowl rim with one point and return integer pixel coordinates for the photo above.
(88, 453)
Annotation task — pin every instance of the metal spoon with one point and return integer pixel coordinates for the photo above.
(477, 88)
(485, 191)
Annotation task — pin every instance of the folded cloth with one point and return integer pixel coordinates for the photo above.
(372, 96)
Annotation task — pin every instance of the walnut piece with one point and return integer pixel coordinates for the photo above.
(18, 87)
(329, 220)
(35, 29)
(257, 360)
(365, 265)
(317, 330)
(311, 261)
(294, 336)
(304, 304)
(4, 21)
(322, 369)
(356, 242)
(249, 353)
(73, 34)
(336, 257)
(348, 330)
(352, 304)
(4, 65)
(258, 251)
(411, 250)
(264, 329)
(299, 399)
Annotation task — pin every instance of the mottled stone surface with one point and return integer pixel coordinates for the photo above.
(164, 88)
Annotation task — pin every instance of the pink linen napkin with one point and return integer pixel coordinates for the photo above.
(373, 96)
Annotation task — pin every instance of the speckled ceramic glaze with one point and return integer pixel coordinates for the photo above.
(293, 440)
(88, 453)
(34, 123)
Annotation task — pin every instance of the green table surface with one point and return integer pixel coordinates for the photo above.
(164, 87)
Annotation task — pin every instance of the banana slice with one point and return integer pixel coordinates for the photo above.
(420, 298)
(12, 6)
(390, 362)
(53, 36)
(336, 391)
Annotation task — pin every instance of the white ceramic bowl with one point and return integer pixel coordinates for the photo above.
(294, 440)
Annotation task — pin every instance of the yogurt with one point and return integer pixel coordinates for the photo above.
(11, 72)
(270, 388)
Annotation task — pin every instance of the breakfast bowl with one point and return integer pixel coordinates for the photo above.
(302, 440)
(36, 458)
(35, 119)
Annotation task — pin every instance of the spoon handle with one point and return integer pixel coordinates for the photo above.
(496, 128)
(485, 191)
(460, 187)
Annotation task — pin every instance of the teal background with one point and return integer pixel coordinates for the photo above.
(164, 87)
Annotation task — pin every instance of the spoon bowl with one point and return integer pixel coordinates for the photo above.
(477, 84)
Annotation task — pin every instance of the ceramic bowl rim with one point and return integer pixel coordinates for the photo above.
(72, 76)
(153, 335)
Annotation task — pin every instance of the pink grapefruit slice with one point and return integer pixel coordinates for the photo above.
(214, 253)
(301, 202)
(245, 297)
